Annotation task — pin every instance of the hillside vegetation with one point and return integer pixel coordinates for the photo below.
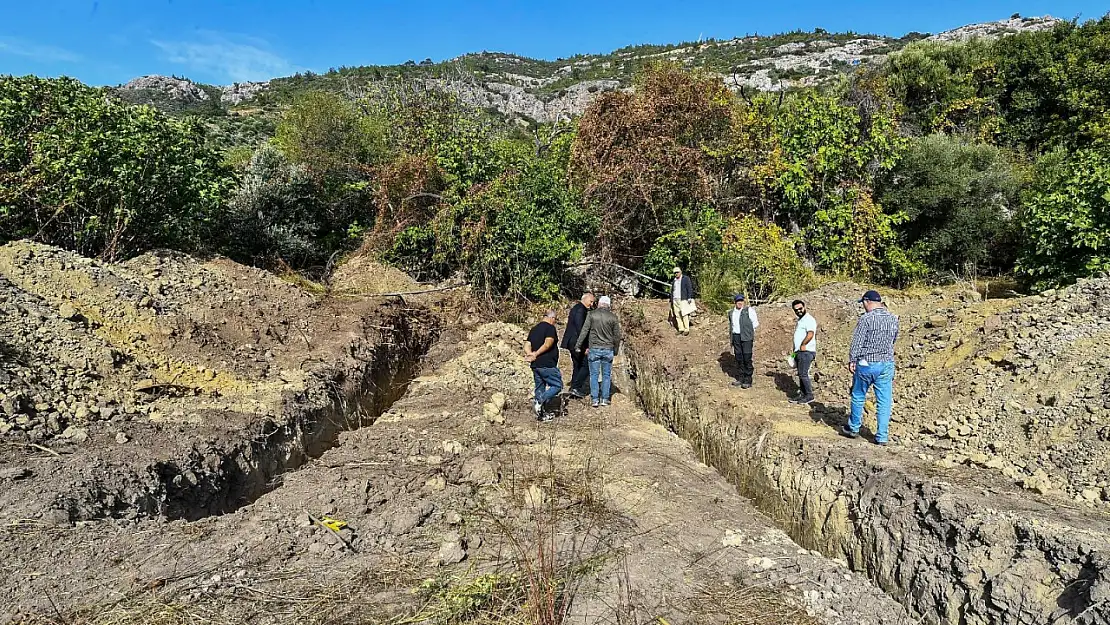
(947, 159)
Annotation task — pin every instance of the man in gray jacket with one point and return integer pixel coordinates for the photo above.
(602, 332)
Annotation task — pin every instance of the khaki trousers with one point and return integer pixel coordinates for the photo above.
(681, 321)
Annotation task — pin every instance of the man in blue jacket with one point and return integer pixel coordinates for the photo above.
(580, 372)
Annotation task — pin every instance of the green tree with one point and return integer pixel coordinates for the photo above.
(1055, 86)
(947, 87)
(1066, 218)
(83, 171)
(958, 199)
(328, 134)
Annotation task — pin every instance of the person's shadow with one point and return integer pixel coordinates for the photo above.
(727, 360)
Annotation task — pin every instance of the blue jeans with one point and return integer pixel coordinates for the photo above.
(601, 361)
(881, 376)
(549, 381)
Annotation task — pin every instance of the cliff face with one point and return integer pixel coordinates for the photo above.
(547, 91)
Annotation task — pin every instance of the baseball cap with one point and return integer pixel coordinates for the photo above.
(604, 300)
(871, 296)
(739, 297)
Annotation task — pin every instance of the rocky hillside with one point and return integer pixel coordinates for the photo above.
(545, 91)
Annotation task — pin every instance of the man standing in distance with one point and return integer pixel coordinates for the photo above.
(579, 377)
(805, 350)
(602, 331)
(742, 322)
(541, 349)
(682, 301)
(871, 361)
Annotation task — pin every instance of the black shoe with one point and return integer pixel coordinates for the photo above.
(577, 395)
(737, 383)
(849, 433)
(545, 417)
(746, 385)
(881, 443)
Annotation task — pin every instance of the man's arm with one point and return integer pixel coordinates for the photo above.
(806, 340)
(857, 344)
(527, 349)
(754, 317)
(618, 337)
(583, 334)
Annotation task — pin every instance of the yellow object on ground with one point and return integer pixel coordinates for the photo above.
(333, 524)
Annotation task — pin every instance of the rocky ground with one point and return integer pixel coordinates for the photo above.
(997, 432)
(179, 434)
(176, 434)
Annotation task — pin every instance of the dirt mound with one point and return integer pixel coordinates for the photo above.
(492, 362)
(362, 275)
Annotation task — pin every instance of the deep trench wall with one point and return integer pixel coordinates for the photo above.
(950, 557)
(219, 477)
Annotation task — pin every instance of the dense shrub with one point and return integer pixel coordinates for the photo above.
(1066, 219)
(86, 172)
(757, 259)
(959, 200)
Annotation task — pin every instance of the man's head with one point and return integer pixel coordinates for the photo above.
(871, 300)
(677, 272)
(549, 317)
(604, 302)
(588, 299)
(739, 300)
(799, 308)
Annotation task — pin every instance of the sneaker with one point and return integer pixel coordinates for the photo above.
(685, 333)
(737, 383)
(595, 404)
(603, 403)
(881, 443)
(577, 395)
(746, 385)
(805, 401)
(847, 432)
(537, 408)
(545, 417)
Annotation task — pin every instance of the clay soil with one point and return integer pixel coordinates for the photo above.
(177, 432)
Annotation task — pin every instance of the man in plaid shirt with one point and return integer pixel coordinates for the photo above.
(871, 361)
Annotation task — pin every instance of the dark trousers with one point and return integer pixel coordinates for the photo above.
(804, 360)
(580, 373)
(743, 351)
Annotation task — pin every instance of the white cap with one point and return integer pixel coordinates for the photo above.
(604, 301)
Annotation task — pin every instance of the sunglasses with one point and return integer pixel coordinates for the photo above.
(799, 309)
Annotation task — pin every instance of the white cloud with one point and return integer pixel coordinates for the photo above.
(39, 52)
(238, 60)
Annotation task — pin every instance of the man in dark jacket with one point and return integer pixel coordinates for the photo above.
(682, 301)
(742, 322)
(580, 373)
(603, 332)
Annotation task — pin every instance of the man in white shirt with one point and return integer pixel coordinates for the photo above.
(742, 322)
(805, 350)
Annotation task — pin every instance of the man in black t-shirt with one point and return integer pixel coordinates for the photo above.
(542, 350)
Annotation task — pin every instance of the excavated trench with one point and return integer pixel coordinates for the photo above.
(219, 478)
(949, 553)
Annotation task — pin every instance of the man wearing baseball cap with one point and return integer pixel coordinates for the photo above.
(871, 361)
(742, 322)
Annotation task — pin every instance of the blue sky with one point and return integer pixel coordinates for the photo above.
(111, 41)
